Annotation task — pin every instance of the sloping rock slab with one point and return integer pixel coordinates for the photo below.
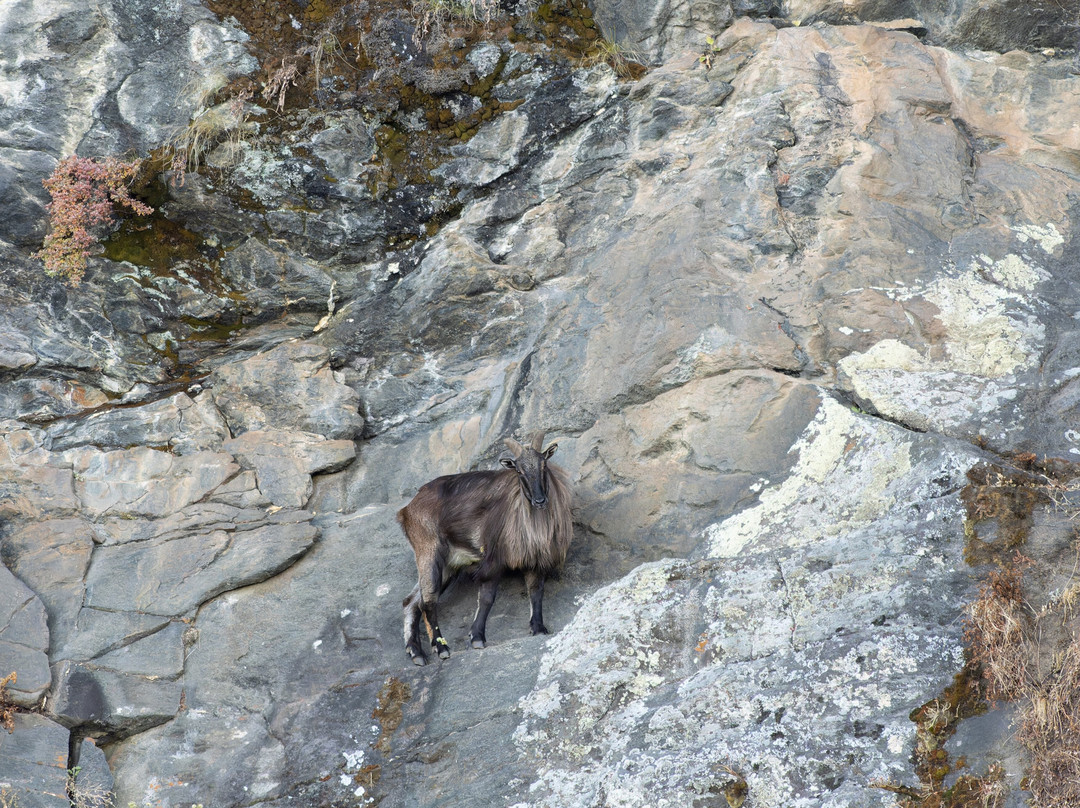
(51, 556)
(793, 652)
(34, 761)
(106, 701)
(284, 461)
(24, 641)
(145, 482)
(179, 422)
(172, 577)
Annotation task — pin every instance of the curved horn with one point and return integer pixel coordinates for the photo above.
(538, 441)
(513, 446)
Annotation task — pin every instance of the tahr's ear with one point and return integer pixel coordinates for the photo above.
(550, 450)
(506, 460)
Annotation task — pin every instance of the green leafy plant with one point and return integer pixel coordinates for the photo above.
(711, 50)
(85, 196)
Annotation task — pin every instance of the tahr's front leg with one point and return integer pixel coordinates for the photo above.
(534, 581)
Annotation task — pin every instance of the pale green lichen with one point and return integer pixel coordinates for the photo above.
(991, 334)
(836, 451)
(1046, 237)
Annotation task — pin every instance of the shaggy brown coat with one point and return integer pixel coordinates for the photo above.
(517, 518)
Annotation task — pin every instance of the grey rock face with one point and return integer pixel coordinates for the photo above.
(772, 305)
(249, 393)
(998, 25)
(33, 778)
(24, 640)
(818, 632)
(661, 29)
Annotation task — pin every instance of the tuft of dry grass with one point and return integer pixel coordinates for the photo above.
(7, 709)
(999, 627)
(1010, 640)
(87, 796)
(626, 62)
(433, 15)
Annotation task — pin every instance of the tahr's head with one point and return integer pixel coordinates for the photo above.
(530, 463)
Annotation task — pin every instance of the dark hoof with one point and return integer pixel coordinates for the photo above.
(478, 643)
(444, 653)
(538, 630)
(441, 648)
(416, 657)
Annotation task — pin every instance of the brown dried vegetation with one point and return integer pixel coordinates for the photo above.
(1023, 640)
(1022, 629)
(7, 709)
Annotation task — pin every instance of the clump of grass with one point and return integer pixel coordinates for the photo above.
(85, 196)
(312, 61)
(87, 796)
(626, 62)
(1010, 640)
(433, 15)
(225, 123)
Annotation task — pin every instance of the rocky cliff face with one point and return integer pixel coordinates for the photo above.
(774, 298)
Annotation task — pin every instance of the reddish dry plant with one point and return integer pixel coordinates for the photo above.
(85, 194)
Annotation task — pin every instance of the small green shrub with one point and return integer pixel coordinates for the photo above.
(85, 195)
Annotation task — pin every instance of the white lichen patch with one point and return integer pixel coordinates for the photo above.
(842, 477)
(991, 334)
(1013, 272)
(1046, 237)
(988, 334)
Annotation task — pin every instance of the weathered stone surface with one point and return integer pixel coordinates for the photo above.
(52, 557)
(1000, 25)
(34, 762)
(44, 399)
(289, 387)
(109, 702)
(182, 424)
(173, 576)
(681, 279)
(284, 461)
(144, 481)
(659, 30)
(33, 481)
(123, 690)
(24, 641)
(820, 630)
(357, 573)
(279, 282)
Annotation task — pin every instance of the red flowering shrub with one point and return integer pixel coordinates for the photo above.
(85, 194)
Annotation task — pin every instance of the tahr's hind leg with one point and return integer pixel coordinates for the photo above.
(484, 599)
(411, 604)
(430, 588)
